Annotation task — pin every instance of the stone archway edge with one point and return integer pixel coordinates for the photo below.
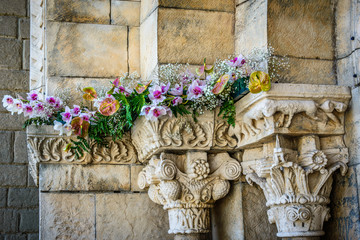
(289, 141)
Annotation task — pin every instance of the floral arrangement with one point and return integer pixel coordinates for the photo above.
(178, 91)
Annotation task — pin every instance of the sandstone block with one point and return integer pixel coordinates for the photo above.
(20, 150)
(3, 197)
(63, 177)
(11, 122)
(6, 155)
(344, 222)
(86, 50)
(23, 197)
(13, 7)
(308, 71)
(24, 28)
(26, 55)
(81, 11)
(74, 86)
(8, 220)
(58, 208)
(148, 221)
(343, 28)
(14, 80)
(8, 26)
(30, 181)
(33, 236)
(10, 53)
(17, 236)
(13, 175)
(345, 71)
(294, 31)
(256, 223)
(29, 220)
(227, 217)
(125, 13)
(251, 26)
(189, 36)
(135, 170)
(134, 49)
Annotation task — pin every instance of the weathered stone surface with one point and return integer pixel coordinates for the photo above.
(345, 71)
(23, 197)
(184, 35)
(24, 28)
(6, 155)
(73, 87)
(251, 26)
(125, 13)
(29, 220)
(83, 11)
(10, 53)
(67, 216)
(135, 170)
(301, 28)
(20, 151)
(8, 26)
(214, 5)
(352, 127)
(308, 71)
(344, 22)
(256, 224)
(3, 197)
(13, 7)
(13, 175)
(14, 80)
(8, 220)
(11, 122)
(134, 49)
(116, 217)
(26, 55)
(33, 236)
(63, 177)
(344, 223)
(148, 45)
(227, 216)
(17, 236)
(86, 50)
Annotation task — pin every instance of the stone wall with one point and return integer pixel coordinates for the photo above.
(18, 195)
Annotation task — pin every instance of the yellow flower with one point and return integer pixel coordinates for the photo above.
(259, 81)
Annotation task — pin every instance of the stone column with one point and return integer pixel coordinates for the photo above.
(187, 186)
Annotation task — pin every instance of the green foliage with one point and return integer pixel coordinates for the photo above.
(179, 109)
(37, 121)
(79, 147)
(228, 112)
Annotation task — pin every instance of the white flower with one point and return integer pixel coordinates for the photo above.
(66, 128)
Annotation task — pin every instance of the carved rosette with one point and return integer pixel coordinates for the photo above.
(188, 185)
(297, 186)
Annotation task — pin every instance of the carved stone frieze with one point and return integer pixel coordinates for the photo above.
(44, 145)
(183, 133)
(188, 185)
(296, 180)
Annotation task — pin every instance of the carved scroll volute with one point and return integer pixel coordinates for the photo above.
(297, 187)
(188, 185)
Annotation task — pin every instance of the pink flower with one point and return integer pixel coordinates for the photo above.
(195, 90)
(51, 101)
(85, 116)
(66, 116)
(28, 110)
(76, 110)
(39, 108)
(177, 90)
(8, 102)
(116, 82)
(164, 88)
(176, 101)
(156, 112)
(156, 95)
(237, 62)
(187, 77)
(33, 96)
(145, 110)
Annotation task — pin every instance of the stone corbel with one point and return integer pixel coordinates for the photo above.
(187, 185)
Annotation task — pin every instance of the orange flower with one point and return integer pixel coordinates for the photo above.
(90, 94)
(80, 127)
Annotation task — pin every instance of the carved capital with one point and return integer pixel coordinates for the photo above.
(296, 180)
(188, 185)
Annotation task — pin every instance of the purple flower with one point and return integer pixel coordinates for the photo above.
(51, 101)
(187, 77)
(237, 61)
(39, 108)
(156, 95)
(33, 96)
(156, 112)
(28, 110)
(177, 90)
(85, 116)
(66, 116)
(195, 90)
(176, 101)
(76, 110)
(164, 88)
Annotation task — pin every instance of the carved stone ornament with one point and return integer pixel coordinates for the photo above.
(45, 145)
(188, 185)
